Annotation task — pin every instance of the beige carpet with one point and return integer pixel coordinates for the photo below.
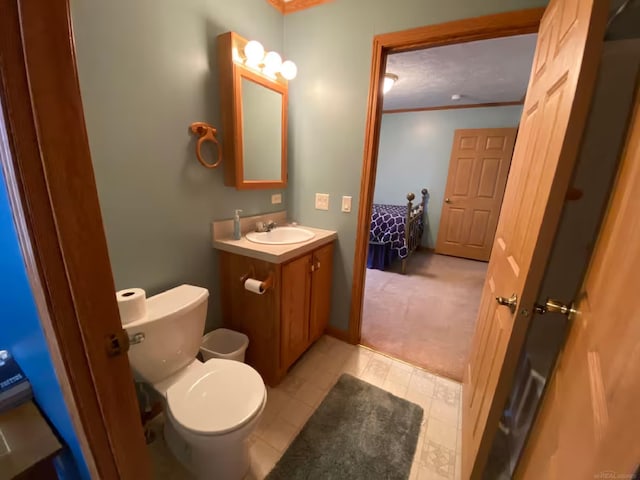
(426, 317)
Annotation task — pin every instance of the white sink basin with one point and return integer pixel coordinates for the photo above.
(281, 236)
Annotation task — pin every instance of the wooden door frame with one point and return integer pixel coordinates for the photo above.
(49, 175)
(518, 22)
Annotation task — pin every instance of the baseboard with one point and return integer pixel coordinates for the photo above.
(337, 333)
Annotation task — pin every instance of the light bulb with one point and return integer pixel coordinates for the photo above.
(272, 63)
(254, 51)
(389, 80)
(288, 70)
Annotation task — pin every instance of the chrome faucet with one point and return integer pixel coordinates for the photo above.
(265, 226)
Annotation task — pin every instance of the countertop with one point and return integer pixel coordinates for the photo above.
(28, 441)
(276, 253)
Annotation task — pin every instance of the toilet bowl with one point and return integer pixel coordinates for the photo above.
(211, 408)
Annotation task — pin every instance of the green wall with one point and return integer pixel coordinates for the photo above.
(148, 68)
(415, 149)
(331, 45)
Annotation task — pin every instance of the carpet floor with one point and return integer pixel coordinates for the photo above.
(359, 431)
(428, 316)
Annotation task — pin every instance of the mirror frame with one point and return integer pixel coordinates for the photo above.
(231, 72)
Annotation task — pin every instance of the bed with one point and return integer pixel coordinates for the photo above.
(396, 232)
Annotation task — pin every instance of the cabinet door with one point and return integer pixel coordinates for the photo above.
(296, 286)
(321, 290)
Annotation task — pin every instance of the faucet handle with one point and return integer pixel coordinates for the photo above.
(260, 227)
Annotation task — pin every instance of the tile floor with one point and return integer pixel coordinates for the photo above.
(291, 404)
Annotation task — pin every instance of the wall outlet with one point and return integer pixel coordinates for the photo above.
(276, 198)
(322, 201)
(346, 204)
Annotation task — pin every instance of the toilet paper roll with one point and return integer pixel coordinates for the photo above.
(254, 286)
(132, 303)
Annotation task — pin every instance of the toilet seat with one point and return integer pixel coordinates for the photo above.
(218, 397)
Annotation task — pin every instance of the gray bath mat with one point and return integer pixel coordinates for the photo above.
(358, 432)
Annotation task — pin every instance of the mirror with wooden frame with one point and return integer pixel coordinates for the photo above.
(254, 120)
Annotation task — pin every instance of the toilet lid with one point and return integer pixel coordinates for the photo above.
(219, 397)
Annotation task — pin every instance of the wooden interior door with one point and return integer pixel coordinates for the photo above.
(54, 201)
(47, 164)
(478, 170)
(296, 290)
(553, 119)
(590, 410)
(321, 291)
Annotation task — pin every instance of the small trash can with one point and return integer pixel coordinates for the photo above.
(224, 343)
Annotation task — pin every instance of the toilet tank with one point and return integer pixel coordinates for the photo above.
(173, 330)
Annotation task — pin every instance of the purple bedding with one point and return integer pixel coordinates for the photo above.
(387, 228)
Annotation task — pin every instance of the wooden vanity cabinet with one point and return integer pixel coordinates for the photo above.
(322, 276)
(284, 321)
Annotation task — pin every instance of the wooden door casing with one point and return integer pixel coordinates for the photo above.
(590, 409)
(321, 291)
(295, 304)
(55, 206)
(553, 119)
(513, 22)
(478, 170)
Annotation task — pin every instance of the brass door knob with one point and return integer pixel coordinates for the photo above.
(555, 306)
(447, 200)
(510, 302)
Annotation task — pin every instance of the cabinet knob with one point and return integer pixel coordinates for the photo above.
(318, 266)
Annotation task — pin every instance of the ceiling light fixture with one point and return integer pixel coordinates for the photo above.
(456, 96)
(389, 80)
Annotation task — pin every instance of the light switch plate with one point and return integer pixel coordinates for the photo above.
(346, 204)
(276, 198)
(322, 201)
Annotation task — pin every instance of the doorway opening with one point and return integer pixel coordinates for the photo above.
(447, 131)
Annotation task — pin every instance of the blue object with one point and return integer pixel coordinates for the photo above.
(14, 386)
(380, 255)
(10, 373)
(237, 235)
(22, 334)
(387, 232)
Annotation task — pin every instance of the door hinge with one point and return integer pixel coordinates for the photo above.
(117, 343)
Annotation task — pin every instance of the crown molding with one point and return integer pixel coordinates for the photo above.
(295, 5)
(453, 107)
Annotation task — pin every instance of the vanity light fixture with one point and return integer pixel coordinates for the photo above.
(269, 64)
(389, 80)
(254, 52)
(272, 63)
(288, 70)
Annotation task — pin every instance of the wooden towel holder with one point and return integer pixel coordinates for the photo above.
(207, 133)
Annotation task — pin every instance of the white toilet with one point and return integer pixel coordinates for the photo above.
(211, 408)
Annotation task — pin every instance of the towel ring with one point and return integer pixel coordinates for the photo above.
(206, 132)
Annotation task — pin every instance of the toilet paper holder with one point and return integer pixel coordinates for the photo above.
(264, 285)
